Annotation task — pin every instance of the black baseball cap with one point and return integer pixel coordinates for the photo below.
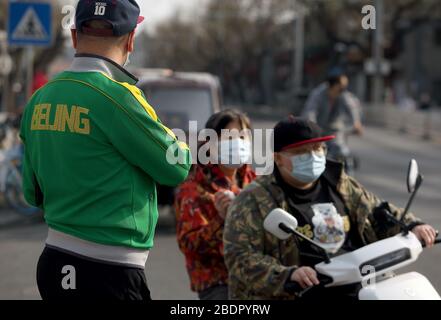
(295, 132)
(123, 15)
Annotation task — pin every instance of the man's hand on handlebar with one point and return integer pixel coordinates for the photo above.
(358, 128)
(426, 234)
(306, 277)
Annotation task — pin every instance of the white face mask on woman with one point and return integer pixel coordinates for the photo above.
(234, 153)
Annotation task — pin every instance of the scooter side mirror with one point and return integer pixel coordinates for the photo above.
(282, 225)
(275, 218)
(414, 181)
(412, 176)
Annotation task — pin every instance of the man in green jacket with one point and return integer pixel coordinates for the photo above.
(94, 151)
(304, 184)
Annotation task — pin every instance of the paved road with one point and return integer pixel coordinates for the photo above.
(385, 156)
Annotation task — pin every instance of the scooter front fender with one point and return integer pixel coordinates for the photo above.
(408, 286)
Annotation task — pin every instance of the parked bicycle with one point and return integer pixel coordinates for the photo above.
(10, 166)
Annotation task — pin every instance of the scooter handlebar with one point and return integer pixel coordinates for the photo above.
(296, 288)
(437, 241)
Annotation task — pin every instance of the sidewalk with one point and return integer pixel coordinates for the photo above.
(423, 125)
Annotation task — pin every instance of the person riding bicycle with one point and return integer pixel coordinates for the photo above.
(331, 105)
(332, 208)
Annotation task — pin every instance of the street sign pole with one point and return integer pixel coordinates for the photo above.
(5, 69)
(299, 47)
(30, 25)
(30, 70)
(377, 92)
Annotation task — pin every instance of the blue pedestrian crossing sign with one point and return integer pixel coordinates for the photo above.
(29, 24)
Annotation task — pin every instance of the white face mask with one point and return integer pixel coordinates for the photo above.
(308, 167)
(234, 153)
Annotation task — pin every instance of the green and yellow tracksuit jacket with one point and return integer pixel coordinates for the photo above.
(94, 151)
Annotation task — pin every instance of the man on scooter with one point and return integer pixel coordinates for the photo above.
(332, 208)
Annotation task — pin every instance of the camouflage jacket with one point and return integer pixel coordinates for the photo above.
(258, 263)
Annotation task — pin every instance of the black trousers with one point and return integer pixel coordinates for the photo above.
(63, 276)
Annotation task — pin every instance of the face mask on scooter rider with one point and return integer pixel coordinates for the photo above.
(308, 167)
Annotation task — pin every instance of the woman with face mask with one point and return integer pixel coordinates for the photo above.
(203, 200)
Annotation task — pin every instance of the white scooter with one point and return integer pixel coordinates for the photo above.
(371, 266)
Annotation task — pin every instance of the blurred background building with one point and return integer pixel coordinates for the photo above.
(270, 52)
